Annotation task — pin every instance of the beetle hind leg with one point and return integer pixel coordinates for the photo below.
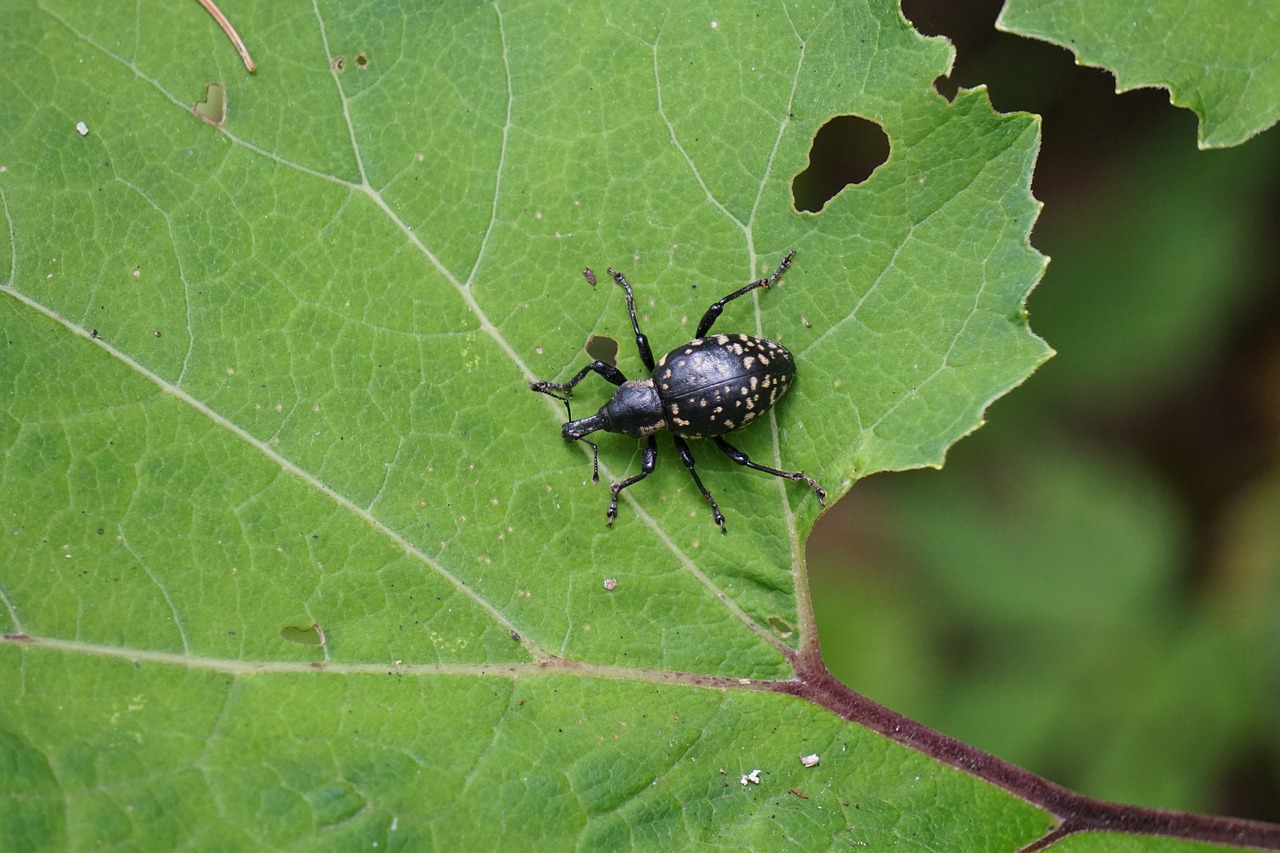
(742, 459)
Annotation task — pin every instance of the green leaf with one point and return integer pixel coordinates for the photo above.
(291, 554)
(1218, 59)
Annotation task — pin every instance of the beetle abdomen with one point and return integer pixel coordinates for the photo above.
(711, 386)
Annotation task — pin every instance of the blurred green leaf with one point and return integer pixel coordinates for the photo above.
(1048, 622)
(274, 375)
(1218, 59)
(1150, 279)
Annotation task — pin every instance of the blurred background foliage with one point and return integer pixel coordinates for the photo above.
(1091, 586)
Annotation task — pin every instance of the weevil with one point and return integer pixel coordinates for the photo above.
(706, 388)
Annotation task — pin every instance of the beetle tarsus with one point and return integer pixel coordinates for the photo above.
(719, 519)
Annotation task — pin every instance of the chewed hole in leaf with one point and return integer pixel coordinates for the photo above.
(603, 348)
(312, 635)
(845, 152)
(781, 627)
(213, 109)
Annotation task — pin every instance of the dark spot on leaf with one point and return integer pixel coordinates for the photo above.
(362, 61)
(846, 150)
(339, 64)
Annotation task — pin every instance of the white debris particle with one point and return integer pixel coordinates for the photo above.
(810, 760)
(611, 584)
(753, 777)
(82, 128)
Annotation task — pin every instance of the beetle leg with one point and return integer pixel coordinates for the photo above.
(563, 390)
(642, 343)
(604, 368)
(686, 456)
(650, 460)
(713, 313)
(742, 459)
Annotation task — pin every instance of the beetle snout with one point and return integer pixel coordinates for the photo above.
(576, 430)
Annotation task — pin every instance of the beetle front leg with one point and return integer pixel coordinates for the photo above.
(609, 372)
(604, 368)
(742, 459)
(686, 456)
(650, 460)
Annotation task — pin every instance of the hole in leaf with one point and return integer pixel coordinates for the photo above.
(339, 64)
(603, 349)
(846, 150)
(362, 61)
(310, 636)
(213, 109)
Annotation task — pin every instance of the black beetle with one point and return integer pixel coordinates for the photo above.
(703, 389)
